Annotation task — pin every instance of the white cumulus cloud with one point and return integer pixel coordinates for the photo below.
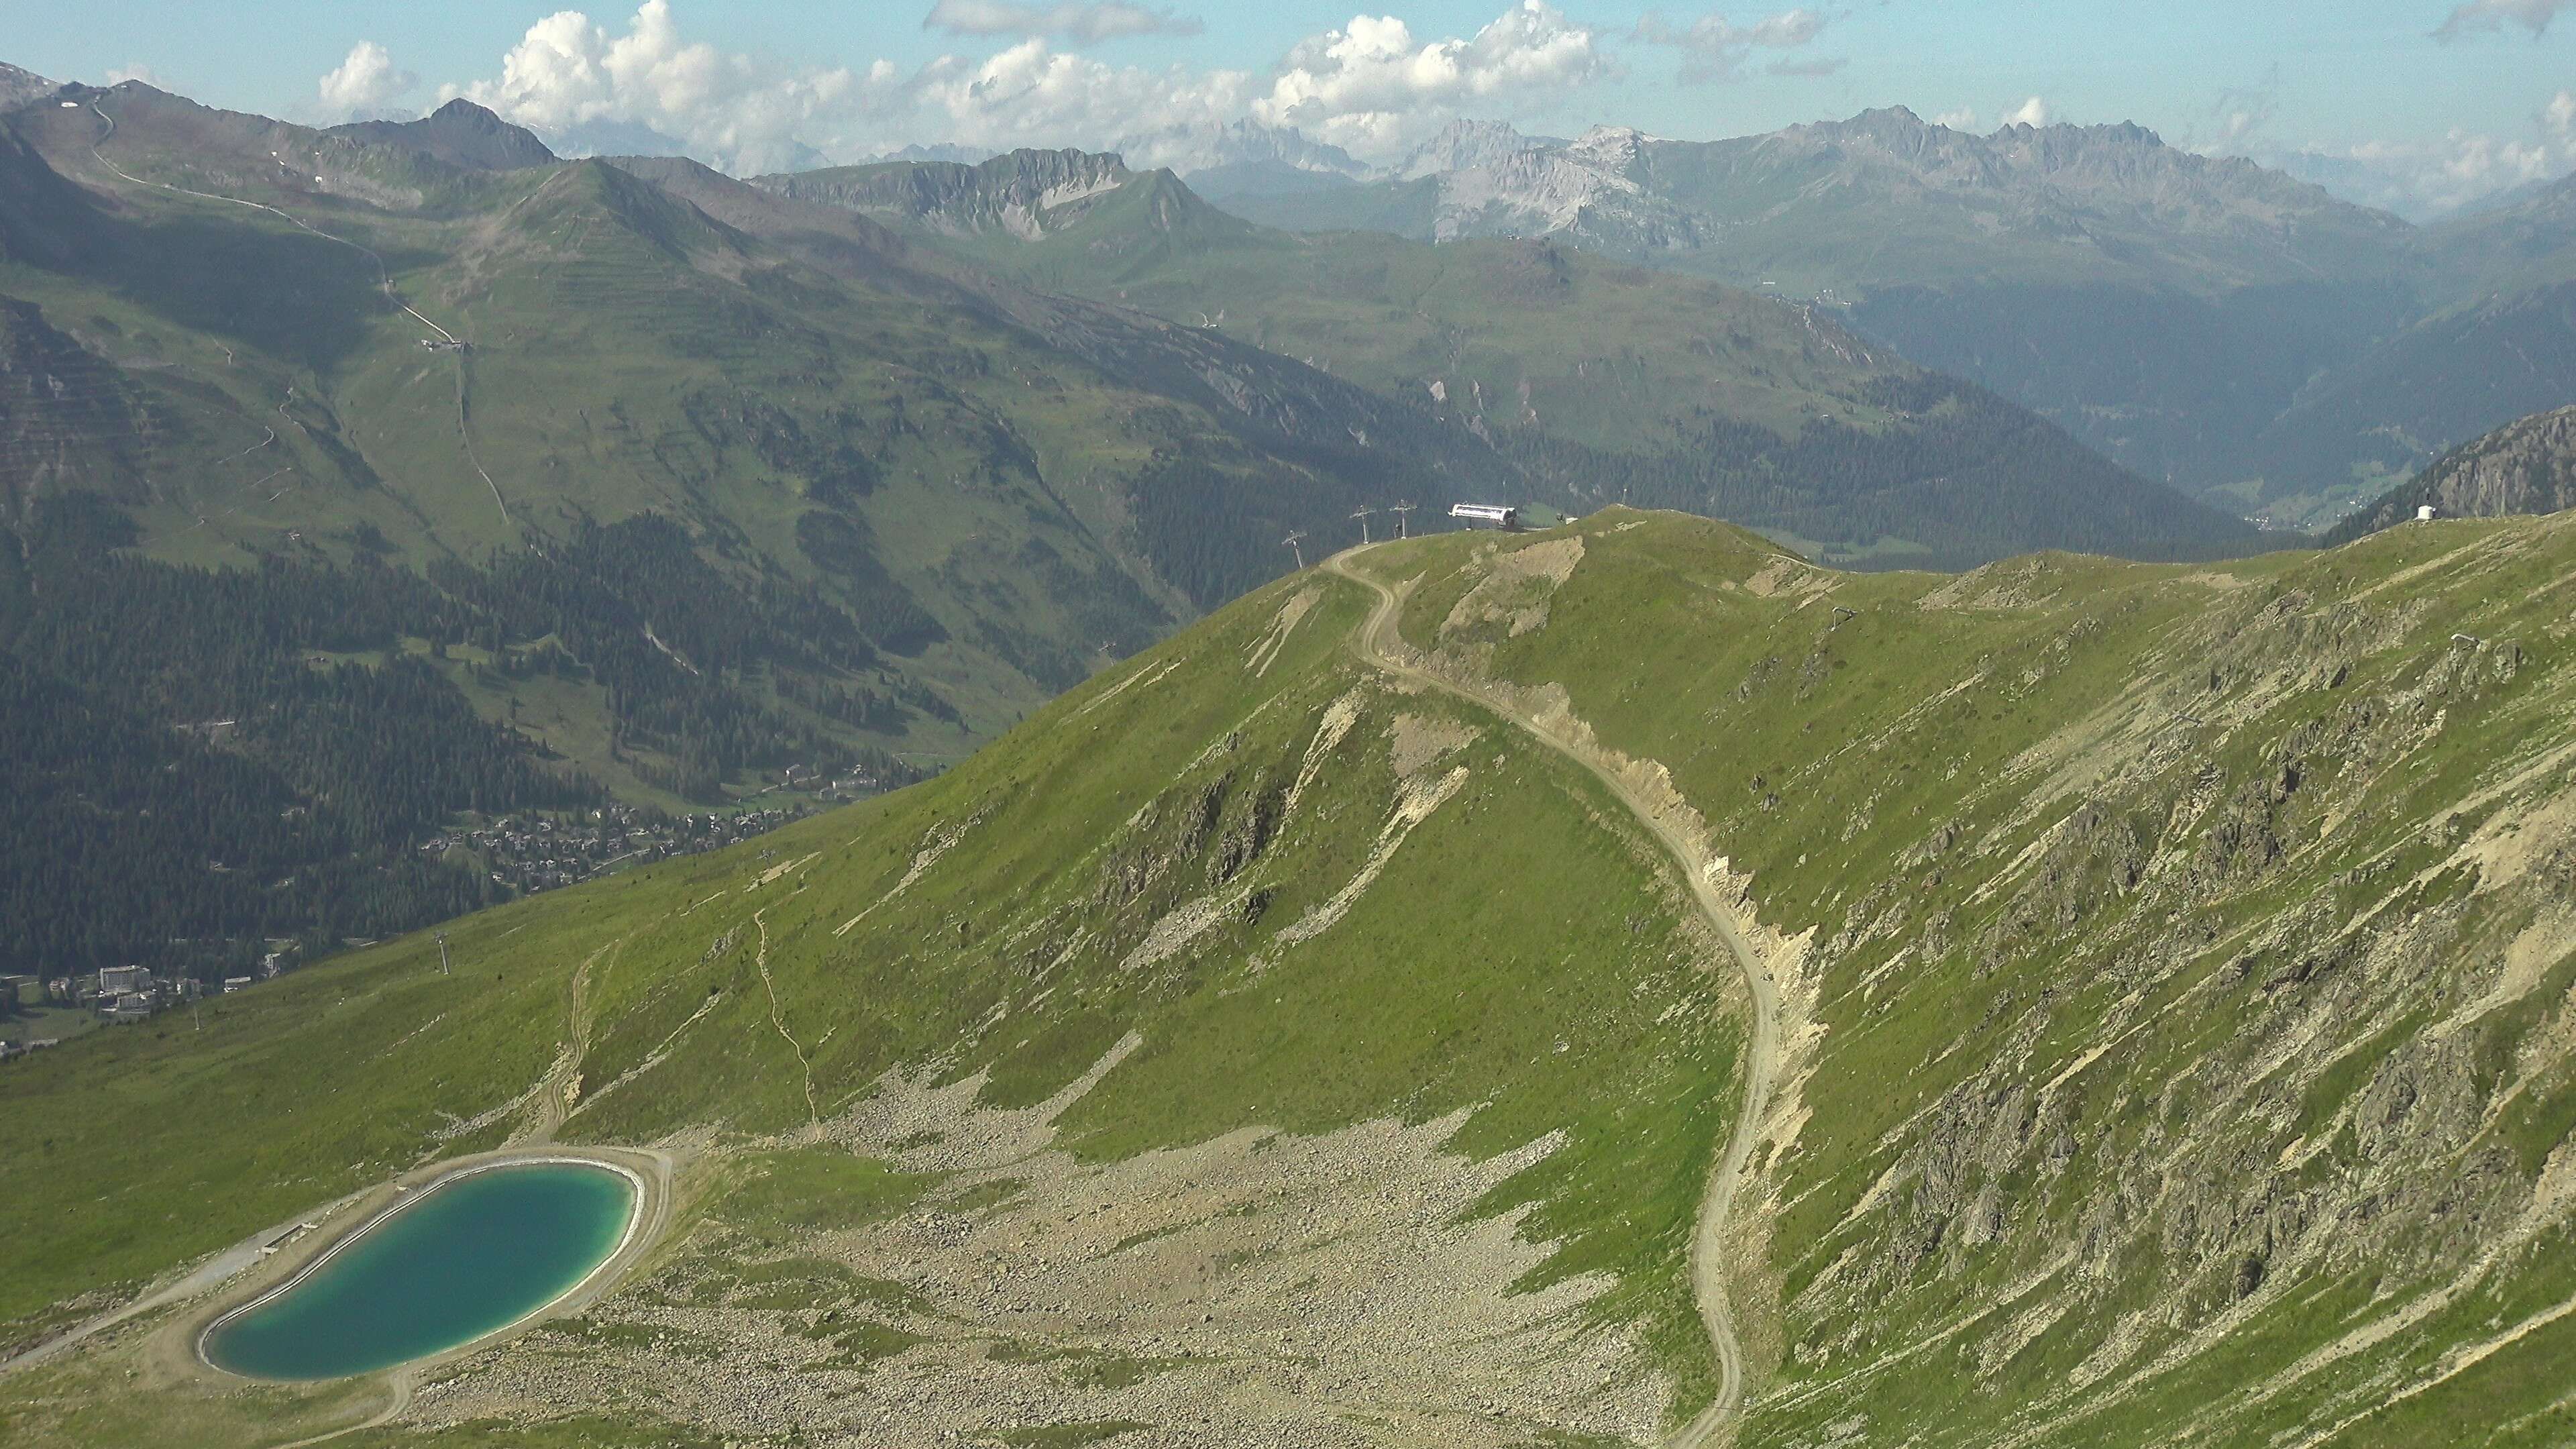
(1717, 48)
(2461, 167)
(364, 81)
(1085, 24)
(2424, 179)
(2032, 112)
(1962, 119)
(1372, 88)
(568, 70)
(1030, 95)
(2490, 15)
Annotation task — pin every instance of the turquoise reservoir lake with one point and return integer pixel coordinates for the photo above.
(473, 1253)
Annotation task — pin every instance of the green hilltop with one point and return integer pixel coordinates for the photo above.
(2158, 1023)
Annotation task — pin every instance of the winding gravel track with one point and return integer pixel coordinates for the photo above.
(384, 281)
(1380, 643)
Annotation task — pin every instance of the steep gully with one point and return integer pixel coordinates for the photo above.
(1380, 643)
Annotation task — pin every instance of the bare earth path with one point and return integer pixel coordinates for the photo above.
(1380, 643)
(384, 281)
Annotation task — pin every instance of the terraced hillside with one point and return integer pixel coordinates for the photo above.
(1328, 1027)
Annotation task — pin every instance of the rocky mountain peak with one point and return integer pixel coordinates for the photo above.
(1884, 121)
(18, 87)
(1018, 171)
(1464, 145)
(1614, 147)
(460, 134)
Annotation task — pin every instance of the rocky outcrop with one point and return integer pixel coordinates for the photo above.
(2116, 195)
(20, 87)
(2523, 467)
(1014, 195)
(69, 419)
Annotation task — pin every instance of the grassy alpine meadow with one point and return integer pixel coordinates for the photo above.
(2172, 976)
(1308, 900)
(2189, 986)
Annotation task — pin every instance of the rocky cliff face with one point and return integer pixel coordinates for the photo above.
(1023, 194)
(68, 418)
(44, 220)
(2523, 467)
(2117, 194)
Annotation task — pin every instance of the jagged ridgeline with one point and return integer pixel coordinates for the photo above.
(2163, 1035)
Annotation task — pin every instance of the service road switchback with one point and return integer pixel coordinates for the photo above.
(1380, 643)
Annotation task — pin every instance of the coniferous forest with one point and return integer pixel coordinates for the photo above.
(200, 762)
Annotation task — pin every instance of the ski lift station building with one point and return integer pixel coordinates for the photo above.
(1500, 515)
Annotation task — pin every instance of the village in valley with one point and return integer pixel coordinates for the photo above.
(522, 853)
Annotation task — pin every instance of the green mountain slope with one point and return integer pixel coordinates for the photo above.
(1604, 382)
(631, 352)
(1291, 1034)
(1236, 849)
(684, 502)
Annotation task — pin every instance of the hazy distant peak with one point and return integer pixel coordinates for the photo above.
(947, 151)
(1464, 145)
(1188, 150)
(461, 134)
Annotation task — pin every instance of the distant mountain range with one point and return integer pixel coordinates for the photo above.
(1603, 382)
(2236, 331)
(1244, 158)
(2231, 328)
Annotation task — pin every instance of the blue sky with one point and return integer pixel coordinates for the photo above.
(2425, 102)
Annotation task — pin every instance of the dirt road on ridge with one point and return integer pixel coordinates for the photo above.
(1381, 644)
